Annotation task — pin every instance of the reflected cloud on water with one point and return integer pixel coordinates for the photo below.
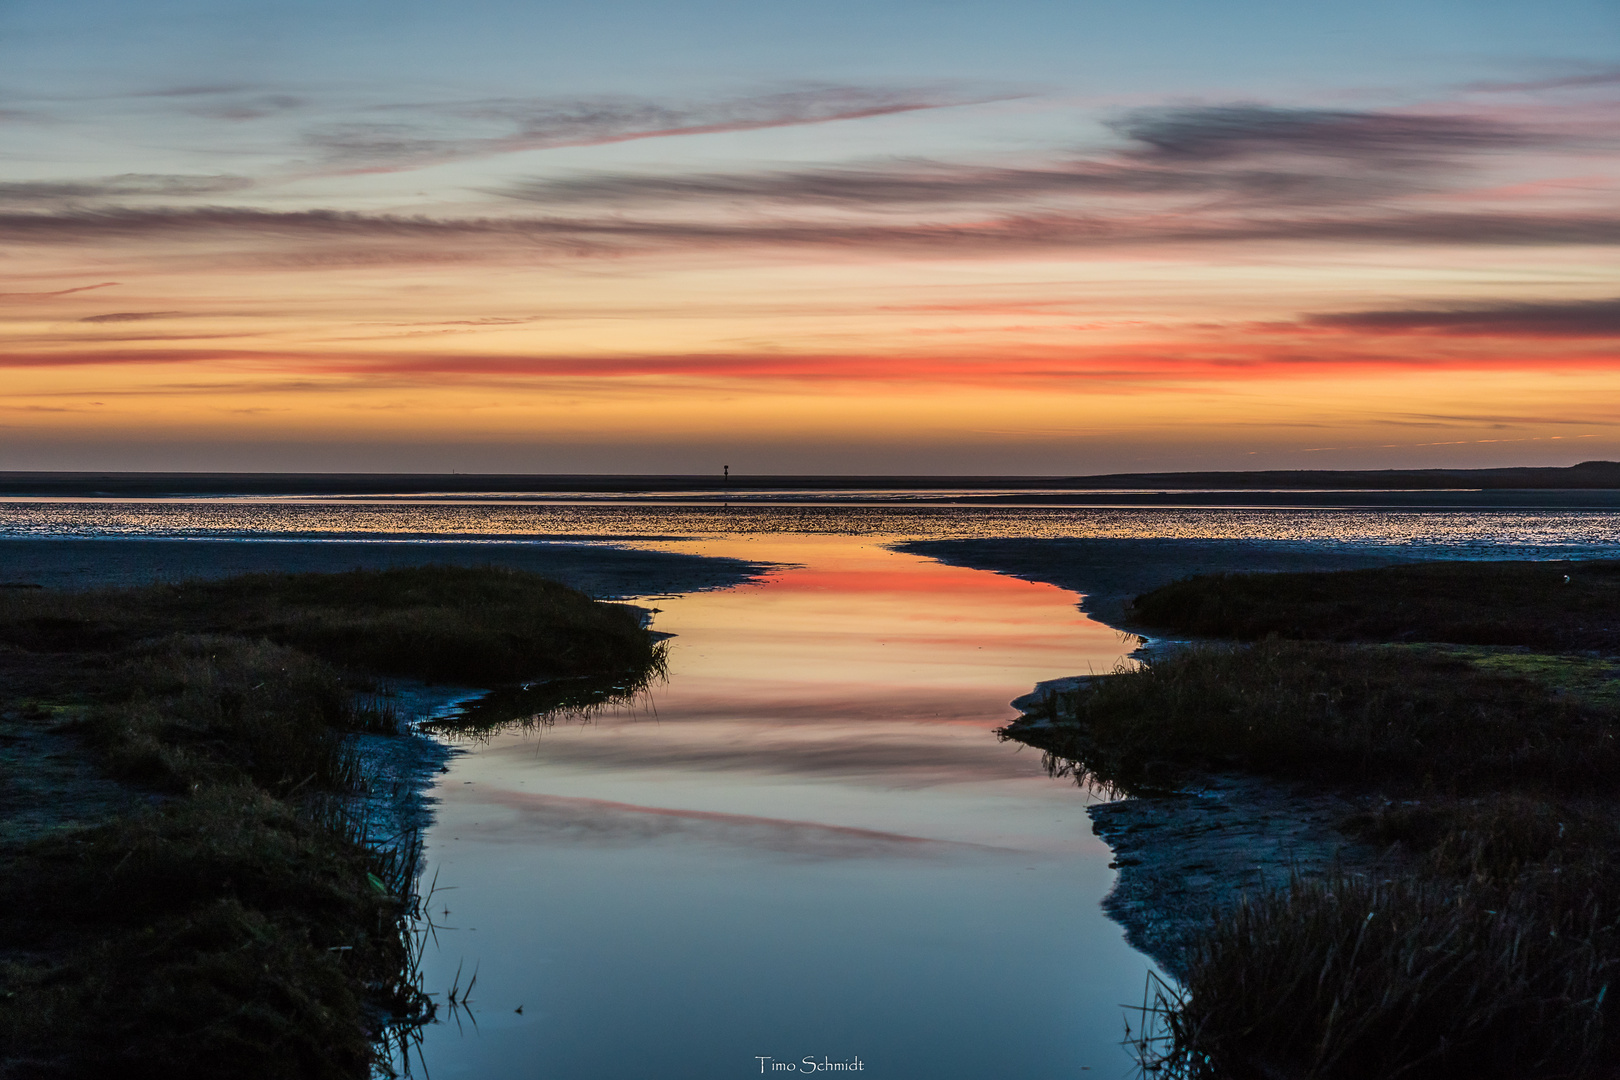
(554, 819)
(898, 755)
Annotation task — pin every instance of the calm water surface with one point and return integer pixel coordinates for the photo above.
(807, 843)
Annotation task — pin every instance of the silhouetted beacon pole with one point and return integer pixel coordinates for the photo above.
(727, 475)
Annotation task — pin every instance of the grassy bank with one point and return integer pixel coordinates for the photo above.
(1548, 606)
(235, 919)
(1409, 718)
(1493, 953)
(1492, 949)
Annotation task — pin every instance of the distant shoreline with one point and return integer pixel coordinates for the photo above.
(1586, 476)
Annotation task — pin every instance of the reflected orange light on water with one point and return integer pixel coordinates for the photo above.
(874, 634)
(819, 695)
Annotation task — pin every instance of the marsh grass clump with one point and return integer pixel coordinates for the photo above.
(208, 708)
(479, 625)
(1443, 696)
(441, 623)
(1412, 976)
(243, 921)
(1419, 717)
(1490, 947)
(1548, 606)
(1501, 837)
(1492, 955)
(223, 934)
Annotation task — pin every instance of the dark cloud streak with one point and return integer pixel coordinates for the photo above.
(130, 316)
(1227, 132)
(232, 227)
(992, 366)
(128, 185)
(1575, 319)
(1582, 81)
(438, 133)
(58, 292)
(934, 183)
(1262, 155)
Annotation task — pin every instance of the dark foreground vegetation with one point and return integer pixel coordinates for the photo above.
(1490, 945)
(237, 919)
(1549, 606)
(1407, 717)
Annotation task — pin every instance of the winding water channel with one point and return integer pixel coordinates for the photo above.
(807, 842)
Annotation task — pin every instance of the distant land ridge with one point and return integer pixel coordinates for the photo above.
(1586, 475)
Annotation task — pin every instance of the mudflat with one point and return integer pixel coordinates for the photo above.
(598, 570)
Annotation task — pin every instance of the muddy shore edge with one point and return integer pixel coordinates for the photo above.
(602, 571)
(1182, 856)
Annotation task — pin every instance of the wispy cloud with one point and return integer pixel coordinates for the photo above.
(1257, 153)
(1575, 319)
(1500, 420)
(130, 316)
(129, 337)
(1228, 132)
(254, 108)
(195, 90)
(56, 292)
(1186, 176)
(409, 136)
(929, 183)
(127, 185)
(1234, 354)
(583, 236)
(1589, 78)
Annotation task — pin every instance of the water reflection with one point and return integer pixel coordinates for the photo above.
(533, 706)
(807, 841)
(550, 818)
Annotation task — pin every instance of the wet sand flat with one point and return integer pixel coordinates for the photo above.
(603, 572)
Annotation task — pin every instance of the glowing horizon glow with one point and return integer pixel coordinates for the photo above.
(282, 236)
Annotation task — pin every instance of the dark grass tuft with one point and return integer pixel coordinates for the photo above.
(1496, 955)
(1390, 714)
(1500, 837)
(1413, 977)
(477, 625)
(225, 934)
(1470, 603)
(202, 709)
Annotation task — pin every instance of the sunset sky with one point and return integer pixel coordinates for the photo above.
(949, 236)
